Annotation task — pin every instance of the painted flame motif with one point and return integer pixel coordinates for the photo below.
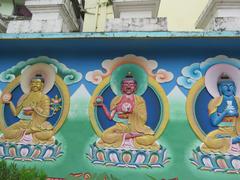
(161, 76)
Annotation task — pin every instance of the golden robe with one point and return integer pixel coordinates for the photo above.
(113, 136)
(41, 130)
(214, 144)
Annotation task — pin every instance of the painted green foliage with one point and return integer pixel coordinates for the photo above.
(12, 172)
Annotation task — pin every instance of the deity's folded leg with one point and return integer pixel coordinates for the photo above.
(42, 133)
(214, 143)
(146, 142)
(15, 132)
(113, 136)
(43, 137)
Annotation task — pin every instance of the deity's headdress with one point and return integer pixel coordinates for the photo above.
(221, 72)
(38, 77)
(129, 72)
(223, 77)
(128, 77)
(45, 72)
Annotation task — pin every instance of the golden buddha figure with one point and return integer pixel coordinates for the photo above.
(32, 109)
(129, 113)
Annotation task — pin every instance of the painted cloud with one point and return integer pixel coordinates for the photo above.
(70, 76)
(161, 76)
(192, 73)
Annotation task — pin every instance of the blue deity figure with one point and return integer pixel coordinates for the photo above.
(224, 113)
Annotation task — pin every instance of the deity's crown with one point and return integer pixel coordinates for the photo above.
(129, 76)
(223, 77)
(38, 77)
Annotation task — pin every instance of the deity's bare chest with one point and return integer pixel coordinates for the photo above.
(126, 104)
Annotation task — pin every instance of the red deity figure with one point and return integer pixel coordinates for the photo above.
(129, 112)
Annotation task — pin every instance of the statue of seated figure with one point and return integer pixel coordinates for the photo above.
(33, 110)
(129, 113)
(224, 113)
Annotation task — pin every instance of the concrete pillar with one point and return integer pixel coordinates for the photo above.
(136, 15)
(220, 15)
(3, 26)
(47, 16)
(136, 8)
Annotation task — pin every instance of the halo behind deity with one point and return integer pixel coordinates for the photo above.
(46, 71)
(213, 74)
(136, 71)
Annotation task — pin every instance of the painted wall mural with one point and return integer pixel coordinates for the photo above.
(130, 140)
(154, 109)
(34, 106)
(213, 112)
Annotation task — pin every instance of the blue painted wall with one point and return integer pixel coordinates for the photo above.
(85, 54)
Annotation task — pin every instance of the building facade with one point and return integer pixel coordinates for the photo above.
(22, 16)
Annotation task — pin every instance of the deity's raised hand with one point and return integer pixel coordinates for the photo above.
(231, 111)
(6, 98)
(98, 101)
